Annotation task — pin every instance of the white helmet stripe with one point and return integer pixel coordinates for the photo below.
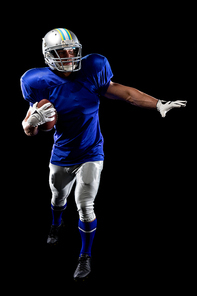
(64, 33)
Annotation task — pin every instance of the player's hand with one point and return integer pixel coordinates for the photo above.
(41, 115)
(164, 106)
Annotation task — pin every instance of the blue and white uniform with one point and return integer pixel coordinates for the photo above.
(77, 153)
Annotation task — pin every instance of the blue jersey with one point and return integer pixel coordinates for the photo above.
(77, 137)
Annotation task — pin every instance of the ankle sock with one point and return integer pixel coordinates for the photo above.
(57, 214)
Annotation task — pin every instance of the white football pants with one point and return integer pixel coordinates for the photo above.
(87, 177)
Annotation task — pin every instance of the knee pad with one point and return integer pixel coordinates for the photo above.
(89, 172)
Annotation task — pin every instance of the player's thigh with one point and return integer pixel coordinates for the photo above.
(88, 180)
(61, 181)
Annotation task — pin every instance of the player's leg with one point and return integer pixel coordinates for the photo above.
(61, 180)
(88, 180)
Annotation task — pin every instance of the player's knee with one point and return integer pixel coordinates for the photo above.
(86, 214)
(90, 172)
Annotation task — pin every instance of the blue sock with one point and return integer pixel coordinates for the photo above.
(57, 214)
(87, 231)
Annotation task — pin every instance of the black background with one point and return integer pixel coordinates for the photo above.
(145, 202)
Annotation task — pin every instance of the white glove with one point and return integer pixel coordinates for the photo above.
(41, 115)
(164, 106)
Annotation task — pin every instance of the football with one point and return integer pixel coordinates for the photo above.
(47, 126)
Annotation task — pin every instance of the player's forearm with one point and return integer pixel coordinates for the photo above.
(131, 95)
(140, 99)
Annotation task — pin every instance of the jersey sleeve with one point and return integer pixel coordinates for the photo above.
(28, 93)
(103, 77)
(32, 88)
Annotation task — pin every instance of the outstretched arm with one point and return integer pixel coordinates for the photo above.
(131, 95)
(135, 97)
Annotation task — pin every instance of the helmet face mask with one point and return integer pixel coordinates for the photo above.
(62, 39)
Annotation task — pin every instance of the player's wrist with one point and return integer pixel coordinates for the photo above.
(161, 108)
(33, 120)
(158, 105)
(36, 119)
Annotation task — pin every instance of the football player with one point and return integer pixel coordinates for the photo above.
(74, 85)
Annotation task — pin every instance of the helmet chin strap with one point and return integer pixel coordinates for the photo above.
(69, 68)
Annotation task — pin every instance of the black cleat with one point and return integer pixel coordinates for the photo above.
(54, 234)
(83, 268)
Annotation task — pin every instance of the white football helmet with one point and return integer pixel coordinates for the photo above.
(61, 39)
